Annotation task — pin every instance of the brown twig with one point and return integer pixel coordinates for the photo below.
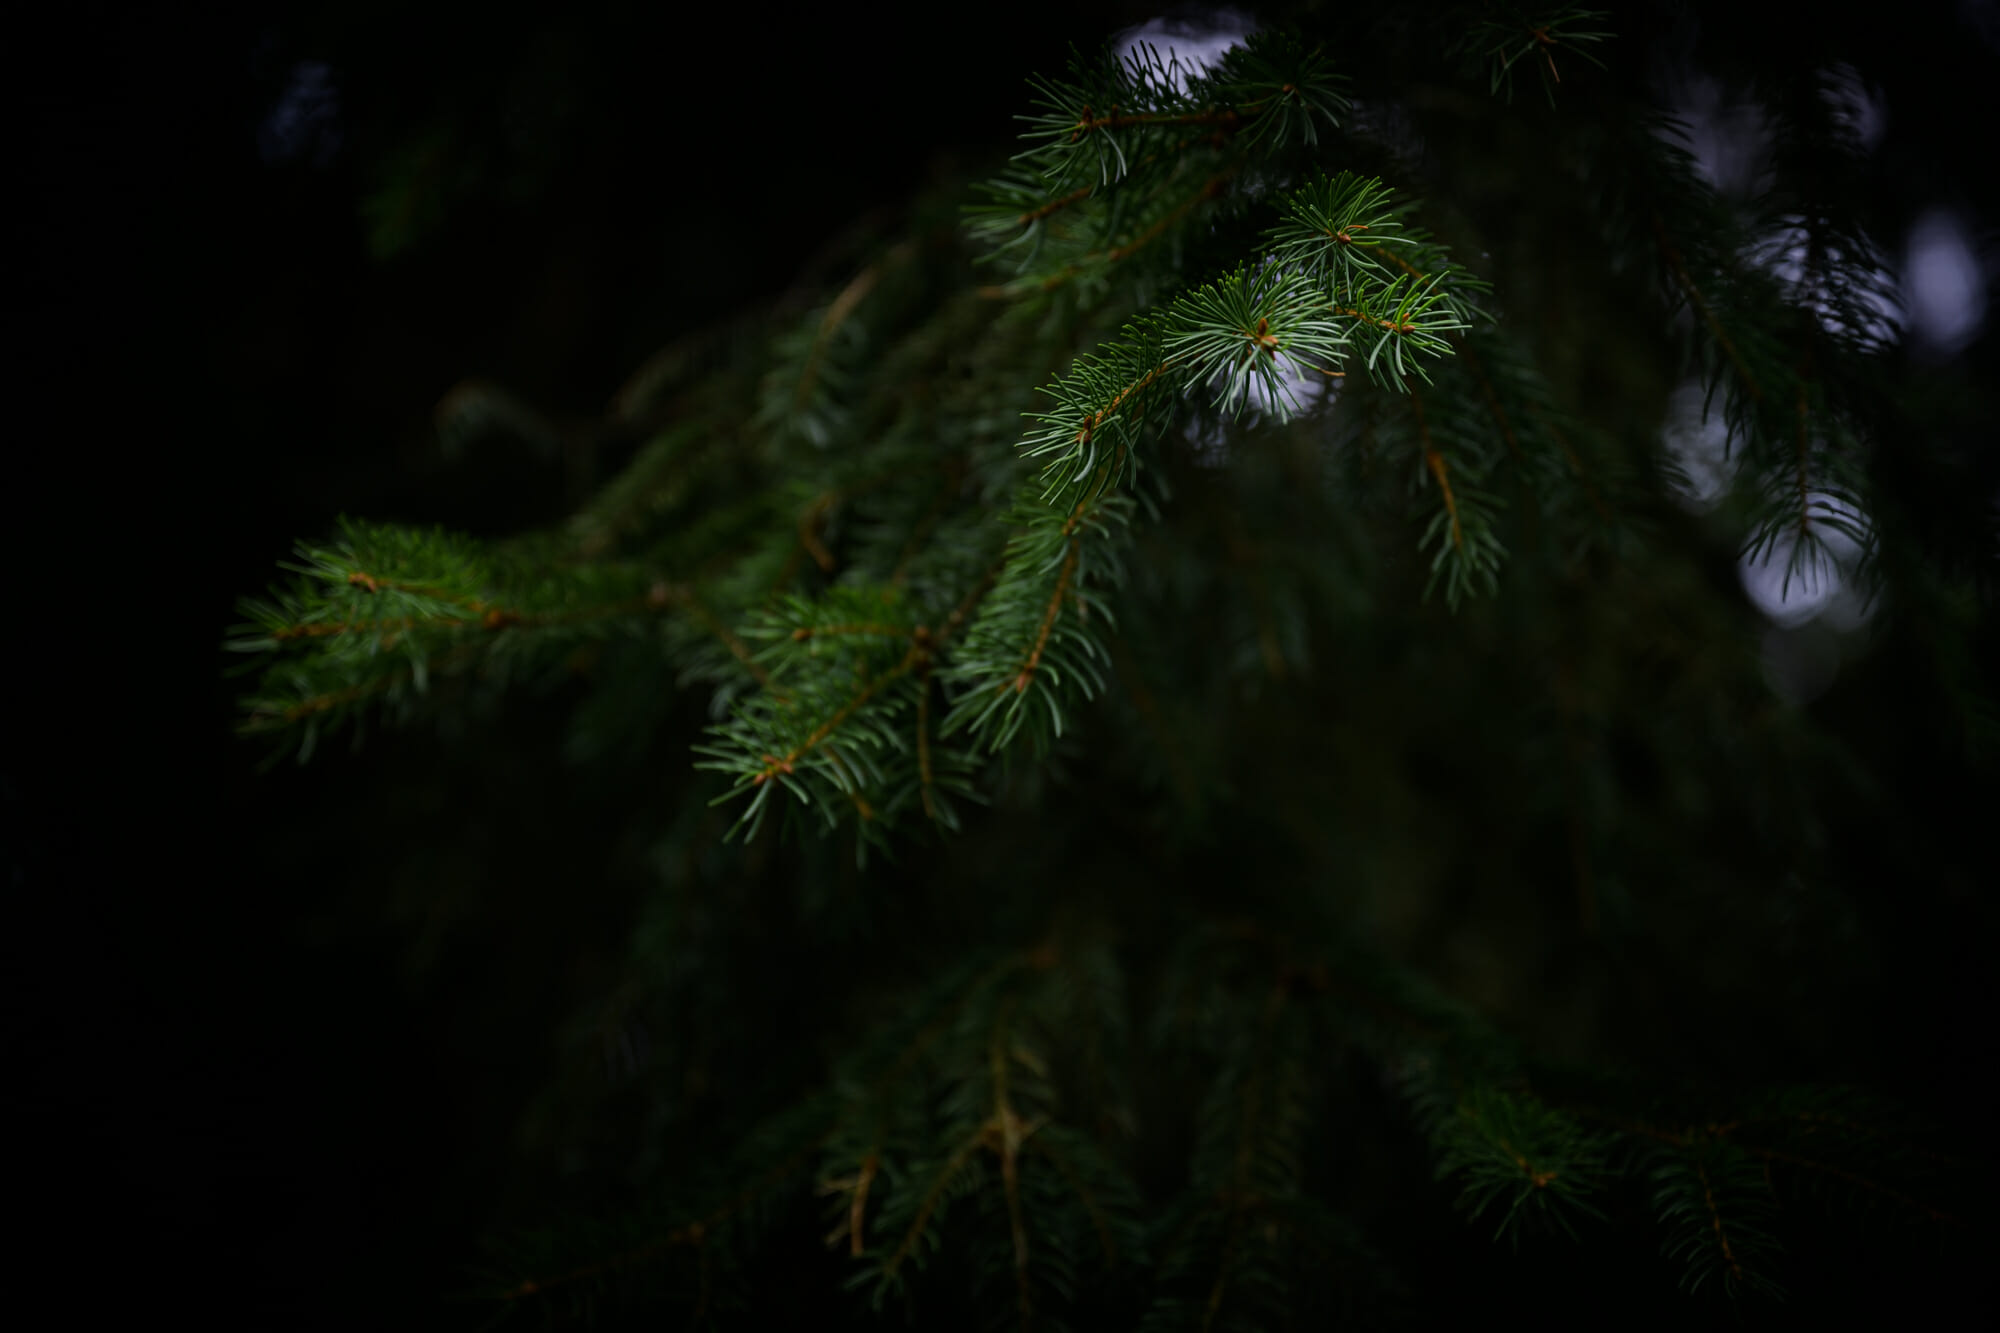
(1435, 461)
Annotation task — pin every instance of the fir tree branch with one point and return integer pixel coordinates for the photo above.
(1678, 267)
(1505, 43)
(1268, 90)
(849, 512)
(1435, 462)
(1005, 1135)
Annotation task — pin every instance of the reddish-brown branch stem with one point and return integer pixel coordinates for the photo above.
(861, 806)
(320, 631)
(1105, 472)
(1027, 672)
(1542, 38)
(1435, 461)
(1225, 118)
(1076, 196)
(809, 531)
(1715, 1219)
(967, 603)
(774, 765)
(737, 648)
(1228, 119)
(370, 583)
(1055, 205)
(1006, 1133)
(1103, 414)
(929, 1205)
(1540, 1178)
(494, 618)
(1088, 1197)
(489, 617)
(1210, 188)
(837, 314)
(856, 1213)
(1345, 237)
(1672, 255)
(1388, 324)
(320, 703)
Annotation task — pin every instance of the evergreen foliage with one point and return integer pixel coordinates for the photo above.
(1290, 456)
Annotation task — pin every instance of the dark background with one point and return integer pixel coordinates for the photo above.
(253, 1076)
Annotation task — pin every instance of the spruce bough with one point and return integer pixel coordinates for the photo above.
(905, 604)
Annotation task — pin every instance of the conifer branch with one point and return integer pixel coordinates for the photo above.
(1210, 189)
(1506, 42)
(1268, 91)
(1678, 267)
(941, 1180)
(1714, 1201)
(723, 634)
(861, 496)
(1006, 1134)
(1715, 1220)
(1435, 462)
